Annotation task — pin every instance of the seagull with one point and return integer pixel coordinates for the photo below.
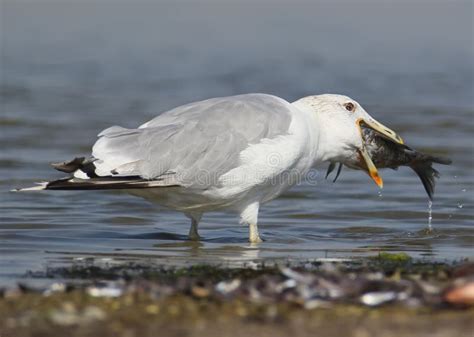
(231, 153)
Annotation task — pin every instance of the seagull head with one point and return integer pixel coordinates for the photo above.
(339, 121)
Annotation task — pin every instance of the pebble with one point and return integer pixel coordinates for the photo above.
(110, 290)
(461, 294)
(373, 299)
(308, 289)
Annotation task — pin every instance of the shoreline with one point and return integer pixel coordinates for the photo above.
(388, 295)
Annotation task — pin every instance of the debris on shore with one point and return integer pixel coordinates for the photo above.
(389, 279)
(277, 300)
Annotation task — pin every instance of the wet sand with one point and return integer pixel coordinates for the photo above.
(75, 314)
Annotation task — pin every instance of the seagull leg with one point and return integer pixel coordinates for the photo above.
(254, 237)
(249, 216)
(193, 230)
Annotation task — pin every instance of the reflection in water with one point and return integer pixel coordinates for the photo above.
(224, 254)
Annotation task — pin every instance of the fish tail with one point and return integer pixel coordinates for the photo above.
(428, 177)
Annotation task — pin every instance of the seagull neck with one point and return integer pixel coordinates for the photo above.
(323, 142)
(327, 145)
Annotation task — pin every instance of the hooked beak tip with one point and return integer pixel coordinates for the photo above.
(368, 164)
(378, 180)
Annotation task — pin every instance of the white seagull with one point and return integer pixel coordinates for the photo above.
(228, 153)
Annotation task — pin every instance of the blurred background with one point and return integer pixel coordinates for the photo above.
(72, 68)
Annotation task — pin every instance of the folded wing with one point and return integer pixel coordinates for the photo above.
(192, 145)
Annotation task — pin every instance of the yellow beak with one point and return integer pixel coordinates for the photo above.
(383, 131)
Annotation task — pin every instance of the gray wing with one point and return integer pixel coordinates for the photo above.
(195, 143)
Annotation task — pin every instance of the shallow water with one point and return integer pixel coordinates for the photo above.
(71, 70)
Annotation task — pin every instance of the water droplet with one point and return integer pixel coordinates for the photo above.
(380, 194)
(460, 206)
(463, 190)
(430, 215)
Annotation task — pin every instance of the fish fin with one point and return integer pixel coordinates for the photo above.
(428, 177)
(331, 168)
(339, 169)
(441, 160)
(427, 158)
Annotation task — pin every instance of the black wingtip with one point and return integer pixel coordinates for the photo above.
(79, 163)
(70, 165)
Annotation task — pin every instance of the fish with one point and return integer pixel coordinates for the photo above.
(385, 153)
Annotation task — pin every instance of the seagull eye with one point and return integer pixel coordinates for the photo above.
(349, 106)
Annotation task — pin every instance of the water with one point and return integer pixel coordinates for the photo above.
(430, 216)
(70, 70)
